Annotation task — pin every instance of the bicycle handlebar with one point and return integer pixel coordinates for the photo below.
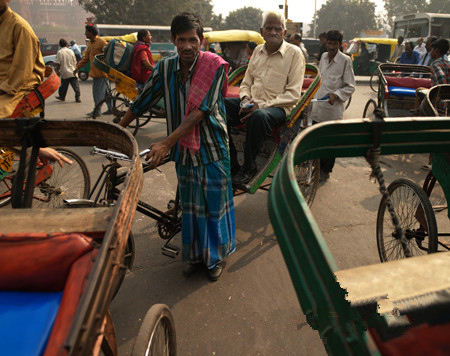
(116, 155)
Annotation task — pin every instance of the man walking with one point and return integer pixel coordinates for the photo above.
(268, 93)
(65, 67)
(193, 84)
(338, 82)
(95, 46)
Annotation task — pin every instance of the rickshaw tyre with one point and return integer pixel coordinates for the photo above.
(83, 76)
(370, 107)
(128, 261)
(119, 106)
(374, 85)
(314, 167)
(422, 199)
(157, 333)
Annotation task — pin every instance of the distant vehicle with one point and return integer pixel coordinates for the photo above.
(413, 26)
(312, 46)
(48, 49)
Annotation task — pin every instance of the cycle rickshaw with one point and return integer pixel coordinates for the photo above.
(397, 84)
(398, 307)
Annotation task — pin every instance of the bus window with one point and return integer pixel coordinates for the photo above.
(440, 27)
(418, 28)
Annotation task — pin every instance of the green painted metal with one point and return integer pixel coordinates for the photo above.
(305, 251)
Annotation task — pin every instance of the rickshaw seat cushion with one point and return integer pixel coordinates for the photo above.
(307, 82)
(26, 320)
(401, 91)
(408, 82)
(232, 92)
(39, 262)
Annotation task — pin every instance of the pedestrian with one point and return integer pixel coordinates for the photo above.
(296, 39)
(338, 82)
(99, 85)
(193, 84)
(426, 60)
(76, 50)
(420, 48)
(323, 45)
(409, 56)
(271, 86)
(21, 68)
(65, 67)
(398, 50)
(142, 64)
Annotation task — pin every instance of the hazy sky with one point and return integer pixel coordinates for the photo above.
(298, 10)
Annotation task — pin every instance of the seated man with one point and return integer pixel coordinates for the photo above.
(142, 64)
(440, 67)
(272, 86)
(409, 56)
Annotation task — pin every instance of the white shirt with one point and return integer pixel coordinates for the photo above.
(338, 79)
(67, 61)
(274, 80)
(421, 49)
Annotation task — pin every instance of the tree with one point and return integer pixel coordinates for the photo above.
(396, 8)
(142, 12)
(349, 16)
(246, 18)
(439, 6)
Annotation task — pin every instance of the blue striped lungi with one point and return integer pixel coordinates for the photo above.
(206, 197)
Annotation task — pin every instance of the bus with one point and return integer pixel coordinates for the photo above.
(413, 26)
(160, 34)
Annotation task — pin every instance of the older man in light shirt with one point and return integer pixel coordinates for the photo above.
(271, 86)
(338, 83)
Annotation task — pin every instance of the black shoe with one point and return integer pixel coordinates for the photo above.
(107, 112)
(78, 100)
(191, 268)
(60, 99)
(91, 114)
(243, 176)
(215, 272)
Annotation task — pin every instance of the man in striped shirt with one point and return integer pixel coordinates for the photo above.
(192, 84)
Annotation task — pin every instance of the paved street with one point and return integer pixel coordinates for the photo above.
(252, 309)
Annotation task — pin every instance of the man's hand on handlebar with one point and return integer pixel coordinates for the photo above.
(157, 154)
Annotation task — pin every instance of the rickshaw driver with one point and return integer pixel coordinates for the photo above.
(21, 68)
(193, 84)
(271, 86)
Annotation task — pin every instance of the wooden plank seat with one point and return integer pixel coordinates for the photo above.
(43, 275)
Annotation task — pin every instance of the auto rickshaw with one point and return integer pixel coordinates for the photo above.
(230, 44)
(380, 51)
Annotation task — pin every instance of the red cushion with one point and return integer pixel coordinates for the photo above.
(232, 92)
(408, 82)
(39, 262)
(307, 82)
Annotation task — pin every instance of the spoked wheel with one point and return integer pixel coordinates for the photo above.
(9, 164)
(374, 81)
(119, 106)
(69, 182)
(369, 109)
(307, 175)
(416, 218)
(157, 335)
(348, 103)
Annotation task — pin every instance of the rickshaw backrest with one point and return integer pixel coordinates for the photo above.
(408, 82)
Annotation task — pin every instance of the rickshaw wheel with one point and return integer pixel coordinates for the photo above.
(374, 81)
(128, 262)
(119, 106)
(307, 175)
(157, 333)
(416, 218)
(369, 109)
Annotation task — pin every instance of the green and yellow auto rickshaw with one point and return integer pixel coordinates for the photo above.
(380, 51)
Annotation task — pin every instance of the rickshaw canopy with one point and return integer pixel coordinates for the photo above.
(232, 36)
(353, 48)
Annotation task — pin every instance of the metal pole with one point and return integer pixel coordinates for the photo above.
(315, 15)
(285, 10)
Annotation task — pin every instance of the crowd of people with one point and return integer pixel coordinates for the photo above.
(193, 84)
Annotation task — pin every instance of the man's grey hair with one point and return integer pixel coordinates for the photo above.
(269, 15)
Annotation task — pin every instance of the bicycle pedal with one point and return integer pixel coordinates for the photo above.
(170, 251)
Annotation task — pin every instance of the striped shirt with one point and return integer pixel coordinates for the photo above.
(440, 72)
(166, 80)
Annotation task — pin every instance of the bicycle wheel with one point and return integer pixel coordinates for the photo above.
(416, 218)
(348, 103)
(156, 335)
(69, 182)
(127, 262)
(6, 183)
(307, 175)
(374, 81)
(369, 109)
(119, 106)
